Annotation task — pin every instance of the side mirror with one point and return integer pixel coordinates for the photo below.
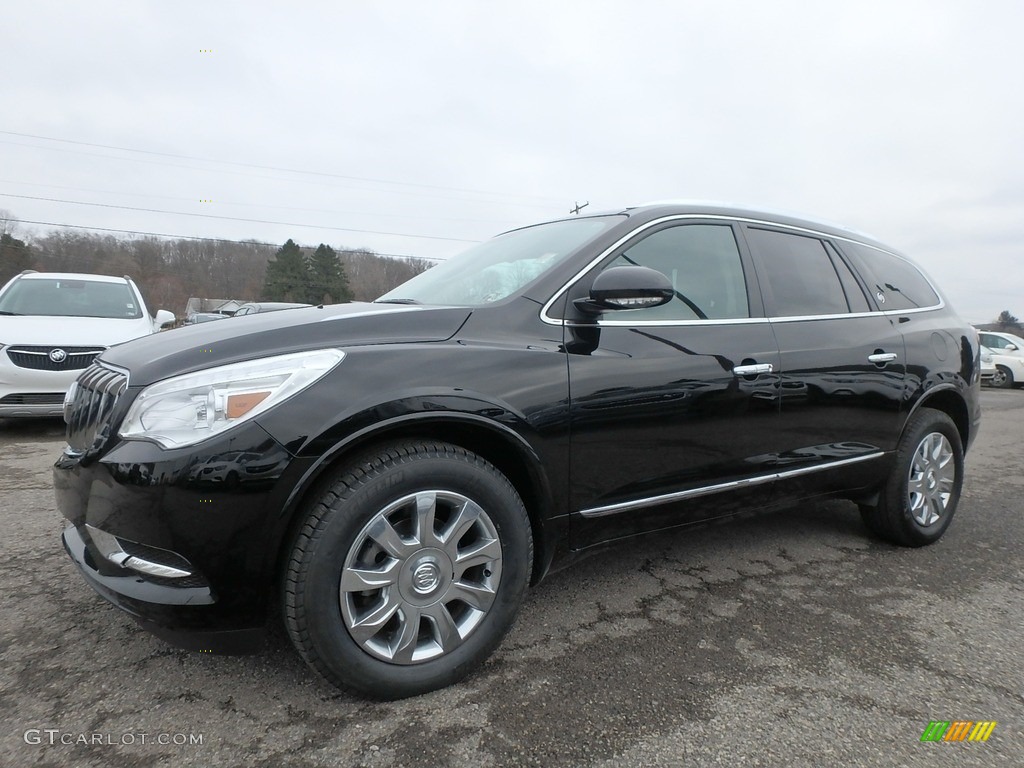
(164, 318)
(627, 288)
(1012, 347)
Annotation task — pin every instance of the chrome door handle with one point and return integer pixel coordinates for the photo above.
(753, 370)
(882, 357)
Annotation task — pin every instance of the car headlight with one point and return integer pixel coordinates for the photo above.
(187, 409)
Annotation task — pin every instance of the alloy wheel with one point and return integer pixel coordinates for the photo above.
(931, 479)
(420, 577)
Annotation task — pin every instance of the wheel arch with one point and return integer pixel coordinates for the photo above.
(949, 400)
(498, 444)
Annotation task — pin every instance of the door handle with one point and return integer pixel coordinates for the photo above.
(753, 370)
(882, 357)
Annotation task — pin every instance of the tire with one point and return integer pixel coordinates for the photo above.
(407, 571)
(1003, 378)
(919, 499)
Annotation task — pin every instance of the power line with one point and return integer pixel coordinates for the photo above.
(278, 168)
(502, 222)
(331, 184)
(237, 218)
(204, 239)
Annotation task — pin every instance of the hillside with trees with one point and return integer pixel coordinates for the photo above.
(170, 271)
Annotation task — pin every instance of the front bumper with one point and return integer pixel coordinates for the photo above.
(28, 392)
(189, 554)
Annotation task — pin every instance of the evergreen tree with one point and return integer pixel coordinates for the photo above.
(287, 277)
(328, 283)
(1007, 322)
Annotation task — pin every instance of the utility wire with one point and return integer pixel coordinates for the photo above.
(333, 185)
(278, 168)
(237, 218)
(501, 222)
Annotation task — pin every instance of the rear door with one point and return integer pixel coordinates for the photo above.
(843, 364)
(674, 409)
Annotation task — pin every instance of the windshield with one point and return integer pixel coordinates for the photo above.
(497, 268)
(70, 298)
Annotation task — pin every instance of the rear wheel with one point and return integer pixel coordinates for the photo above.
(920, 497)
(408, 570)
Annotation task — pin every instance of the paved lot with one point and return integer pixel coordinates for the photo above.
(784, 639)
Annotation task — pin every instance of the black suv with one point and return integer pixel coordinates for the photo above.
(391, 476)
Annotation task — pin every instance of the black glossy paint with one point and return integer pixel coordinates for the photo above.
(579, 413)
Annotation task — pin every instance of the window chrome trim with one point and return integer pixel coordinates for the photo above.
(546, 318)
(662, 323)
(693, 493)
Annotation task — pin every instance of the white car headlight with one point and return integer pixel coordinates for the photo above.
(187, 409)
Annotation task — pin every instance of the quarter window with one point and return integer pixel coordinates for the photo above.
(799, 277)
(703, 263)
(900, 283)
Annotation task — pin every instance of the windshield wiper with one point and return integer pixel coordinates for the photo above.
(5, 312)
(398, 301)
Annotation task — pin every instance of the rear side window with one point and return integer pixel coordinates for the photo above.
(799, 278)
(703, 263)
(898, 282)
(854, 294)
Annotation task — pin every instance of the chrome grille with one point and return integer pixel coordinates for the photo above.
(40, 359)
(89, 405)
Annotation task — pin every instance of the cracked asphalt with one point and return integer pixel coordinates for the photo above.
(788, 638)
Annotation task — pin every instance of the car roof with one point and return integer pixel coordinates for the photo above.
(655, 210)
(71, 276)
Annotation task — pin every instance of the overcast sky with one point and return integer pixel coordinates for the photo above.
(446, 122)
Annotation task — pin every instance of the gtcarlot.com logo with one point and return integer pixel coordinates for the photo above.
(55, 736)
(958, 730)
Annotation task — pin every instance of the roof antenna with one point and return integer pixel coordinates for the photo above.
(578, 207)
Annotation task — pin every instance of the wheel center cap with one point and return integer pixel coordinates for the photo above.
(931, 478)
(426, 577)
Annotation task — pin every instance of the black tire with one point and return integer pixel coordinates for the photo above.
(918, 501)
(1003, 378)
(386, 492)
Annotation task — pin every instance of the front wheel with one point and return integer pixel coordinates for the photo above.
(920, 497)
(408, 570)
(1003, 377)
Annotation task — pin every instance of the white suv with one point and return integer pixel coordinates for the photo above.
(1008, 355)
(53, 324)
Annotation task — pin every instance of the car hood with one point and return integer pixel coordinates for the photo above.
(193, 348)
(45, 330)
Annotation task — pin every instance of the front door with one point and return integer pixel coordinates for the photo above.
(674, 409)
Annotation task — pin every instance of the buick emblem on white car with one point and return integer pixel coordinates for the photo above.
(58, 355)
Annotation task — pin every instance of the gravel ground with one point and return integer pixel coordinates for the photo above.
(781, 639)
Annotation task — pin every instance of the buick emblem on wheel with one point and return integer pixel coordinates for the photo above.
(58, 355)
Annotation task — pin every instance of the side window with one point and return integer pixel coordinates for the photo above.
(703, 263)
(799, 277)
(993, 342)
(899, 281)
(854, 295)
